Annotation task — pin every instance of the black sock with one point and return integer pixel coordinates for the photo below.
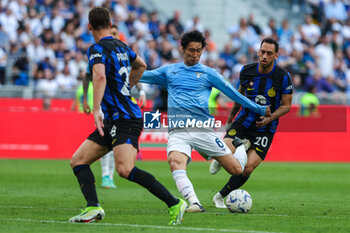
(148, 181)
(234, 183)
(86, 181)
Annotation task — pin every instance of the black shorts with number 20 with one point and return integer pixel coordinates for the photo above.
(118, 132)
(261, 141)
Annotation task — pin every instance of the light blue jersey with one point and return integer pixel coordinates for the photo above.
(189, 88)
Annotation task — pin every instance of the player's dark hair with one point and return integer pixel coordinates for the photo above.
(99, 18)
(269, 40)
(114, 26)
(192, 36)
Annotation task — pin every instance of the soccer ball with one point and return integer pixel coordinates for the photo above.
(239, 201)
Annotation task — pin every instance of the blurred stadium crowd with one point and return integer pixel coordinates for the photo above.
(43, 44)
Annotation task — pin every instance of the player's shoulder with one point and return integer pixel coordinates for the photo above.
(112, 44)
(208, 70)
(280, 74)
(95, 48)
(250, 68)
(249, 71)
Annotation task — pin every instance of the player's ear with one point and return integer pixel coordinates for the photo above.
(110, 24)
(89, 26)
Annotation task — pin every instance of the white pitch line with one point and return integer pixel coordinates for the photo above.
(216, 213)
(138, 226)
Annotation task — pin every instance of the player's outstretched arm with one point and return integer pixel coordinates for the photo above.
(283, 109)
(138, 66)
(157, 76)
(99, 84)
(225, 87)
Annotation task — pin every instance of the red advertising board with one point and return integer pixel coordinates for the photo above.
(29, 132)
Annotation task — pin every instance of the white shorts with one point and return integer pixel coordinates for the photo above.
(204, 141)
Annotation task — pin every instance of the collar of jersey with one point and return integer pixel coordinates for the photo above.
(107, 37)
(257, 69)
(189, 67)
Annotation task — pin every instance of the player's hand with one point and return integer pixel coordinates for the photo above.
(268, 111)
(264, 121)
(142, 99)
(228, 126)
(86, 107)
(99, 122)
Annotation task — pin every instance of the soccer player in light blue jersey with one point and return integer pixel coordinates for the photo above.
(189, 84)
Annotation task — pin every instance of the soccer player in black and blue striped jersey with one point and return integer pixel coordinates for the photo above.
(266, 84)
(115, 69)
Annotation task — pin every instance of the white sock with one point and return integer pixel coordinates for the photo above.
(241, 155)
(111, 164)
(185, 186)
(105, 165)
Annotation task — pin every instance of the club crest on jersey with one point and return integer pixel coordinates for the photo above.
(251, 83)
(199, 74)
(232, 132)
(271, 92)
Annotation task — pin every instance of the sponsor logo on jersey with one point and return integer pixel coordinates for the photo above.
(250, 88)
(289, 87)
(271, 92)
(260, 99)
(256, 148)
(92, 56)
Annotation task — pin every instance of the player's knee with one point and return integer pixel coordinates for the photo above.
(176, 163)
(235, 170)
(123, 171)
(248, 170)
(73, 162)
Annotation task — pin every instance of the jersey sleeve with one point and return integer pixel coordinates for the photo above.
(95, 55)
(157, 76)
(287, 86)
(132, 54)
(218, 81)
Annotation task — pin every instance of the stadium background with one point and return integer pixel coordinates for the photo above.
(42, 60)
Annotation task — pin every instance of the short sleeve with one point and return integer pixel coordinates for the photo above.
(287, 86)
(95, 55)
(132, 54)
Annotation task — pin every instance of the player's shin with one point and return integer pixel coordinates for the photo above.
(86, 181)
(148, 181)
(185, 186)
(234, 182)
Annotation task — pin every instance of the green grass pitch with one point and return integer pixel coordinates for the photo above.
(40, 196)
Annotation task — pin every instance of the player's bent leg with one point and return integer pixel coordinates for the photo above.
(236, 182)
(253, 161)
(178, 163)
(87, 153)
(230, 164)
(125, 157)
(215, 166)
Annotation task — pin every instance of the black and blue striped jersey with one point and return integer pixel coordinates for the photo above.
(264, 89)
(116, 56)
